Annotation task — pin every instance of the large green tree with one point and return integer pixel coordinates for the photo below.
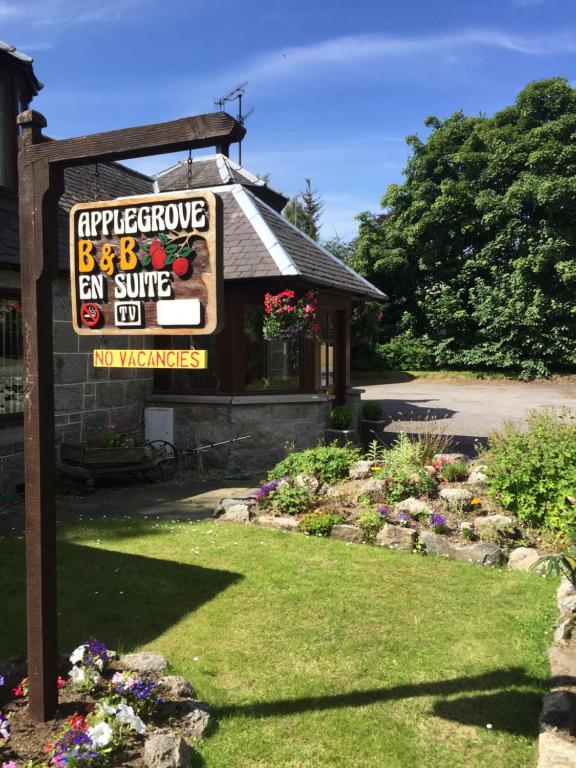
(477, 248)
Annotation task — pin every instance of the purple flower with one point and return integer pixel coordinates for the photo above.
(437, 521)
(384, 511)
(404, 518)
(1, 680)
(5, 729)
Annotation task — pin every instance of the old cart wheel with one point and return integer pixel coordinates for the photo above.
(168, 461)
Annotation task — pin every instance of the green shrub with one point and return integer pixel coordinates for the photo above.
(320, 523)
(532, 473)
(328, 463)
(406, 352)
(454, 472)
(370, 522)
(340, 417)
(418, 483)
(402, 468)
(372, 411)
(290, 500)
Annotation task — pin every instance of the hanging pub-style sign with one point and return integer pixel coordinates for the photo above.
(147, 265)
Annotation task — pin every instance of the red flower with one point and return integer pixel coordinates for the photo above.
(47, 747)
(78, 722)
(60, 682)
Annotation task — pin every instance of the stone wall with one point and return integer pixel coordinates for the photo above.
(271, 420)
(84, 397)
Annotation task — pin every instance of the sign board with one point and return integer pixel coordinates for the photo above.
(188, 359)
(148, 265)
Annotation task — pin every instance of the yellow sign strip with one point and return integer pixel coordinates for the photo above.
(189, 359)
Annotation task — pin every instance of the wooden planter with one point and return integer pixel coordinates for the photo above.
(81, 455)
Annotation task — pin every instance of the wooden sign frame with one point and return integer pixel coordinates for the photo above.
(204, 283)
(41, 164)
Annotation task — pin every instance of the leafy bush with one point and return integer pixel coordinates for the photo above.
(320, 523)
(340, 417)
(532, 473)
(402, 467)
(328, 463)
(371, 522)
(417, 484)
(454, 472)
(372, 411)
(289, 499)
(406, 352)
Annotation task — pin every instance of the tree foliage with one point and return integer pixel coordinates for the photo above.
(477, 247)
(305, 209)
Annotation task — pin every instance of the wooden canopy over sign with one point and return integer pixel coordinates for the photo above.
(41, 163)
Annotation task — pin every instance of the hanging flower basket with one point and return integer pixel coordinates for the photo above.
(289, 317)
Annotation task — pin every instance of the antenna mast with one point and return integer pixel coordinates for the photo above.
(236, 95)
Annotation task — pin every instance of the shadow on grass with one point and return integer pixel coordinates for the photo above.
(126, 600)
(506, 709)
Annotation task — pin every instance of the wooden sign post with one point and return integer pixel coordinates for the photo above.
(41, 164)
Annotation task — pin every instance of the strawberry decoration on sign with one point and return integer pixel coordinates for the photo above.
(169, 252)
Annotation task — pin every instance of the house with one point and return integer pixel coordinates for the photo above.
(278, 392)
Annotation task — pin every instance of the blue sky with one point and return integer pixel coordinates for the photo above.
(336, 86)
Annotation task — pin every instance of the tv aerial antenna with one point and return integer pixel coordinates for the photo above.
(236, 95)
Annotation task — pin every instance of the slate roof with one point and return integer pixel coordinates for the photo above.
(28, 83)
(260, 243)
(217, 170)
(79, 186)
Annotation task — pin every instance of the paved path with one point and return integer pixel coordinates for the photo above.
(175, 499)
(466, 409)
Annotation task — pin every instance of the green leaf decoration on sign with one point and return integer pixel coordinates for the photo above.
(186, 251)
(146, 247)
(170, 258)
(171, 248)
(146, 260)
(163, 239)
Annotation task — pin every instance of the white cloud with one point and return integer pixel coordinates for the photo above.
(342, 52)
(66, 12)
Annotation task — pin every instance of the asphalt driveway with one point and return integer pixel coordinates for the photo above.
(467, 409)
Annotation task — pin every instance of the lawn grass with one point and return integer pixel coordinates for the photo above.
(313, 653)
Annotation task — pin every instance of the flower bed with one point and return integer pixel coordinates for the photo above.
(108, 715)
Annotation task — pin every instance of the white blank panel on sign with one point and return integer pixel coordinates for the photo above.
(180, 312)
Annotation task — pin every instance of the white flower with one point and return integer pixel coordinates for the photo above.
(77, 675)
(77, 654)
(125, 715)
(109, 709)
(99, 663)
(94, 676)
(101, 735)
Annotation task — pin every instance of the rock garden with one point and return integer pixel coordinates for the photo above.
(125, 711)
(509, 505)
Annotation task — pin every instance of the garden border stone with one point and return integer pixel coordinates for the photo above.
(556, 743)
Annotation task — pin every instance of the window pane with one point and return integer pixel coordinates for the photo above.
(186, 381)
(5, 133)
(268, 364)
(11, 383)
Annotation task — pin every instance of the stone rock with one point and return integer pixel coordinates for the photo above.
(225, 503)
(449, 458)
(477, 478)
(483, 553)
(490, 526)
(430, 470)
(566, 595)
(332, 491)
(522, 558)
(324, 490)
(278, 523)
(563, 631)
(194, 717)
(350, 533)
(557, 712)
(414, 507)
(237, 513)
(176, 686)
(435, 544)
(146, 661)
(555, 750)
(165, 749)
(396, 537)
(562, 667)
(360, 470)
(456, 499)
(372, 485)
(307, 481)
